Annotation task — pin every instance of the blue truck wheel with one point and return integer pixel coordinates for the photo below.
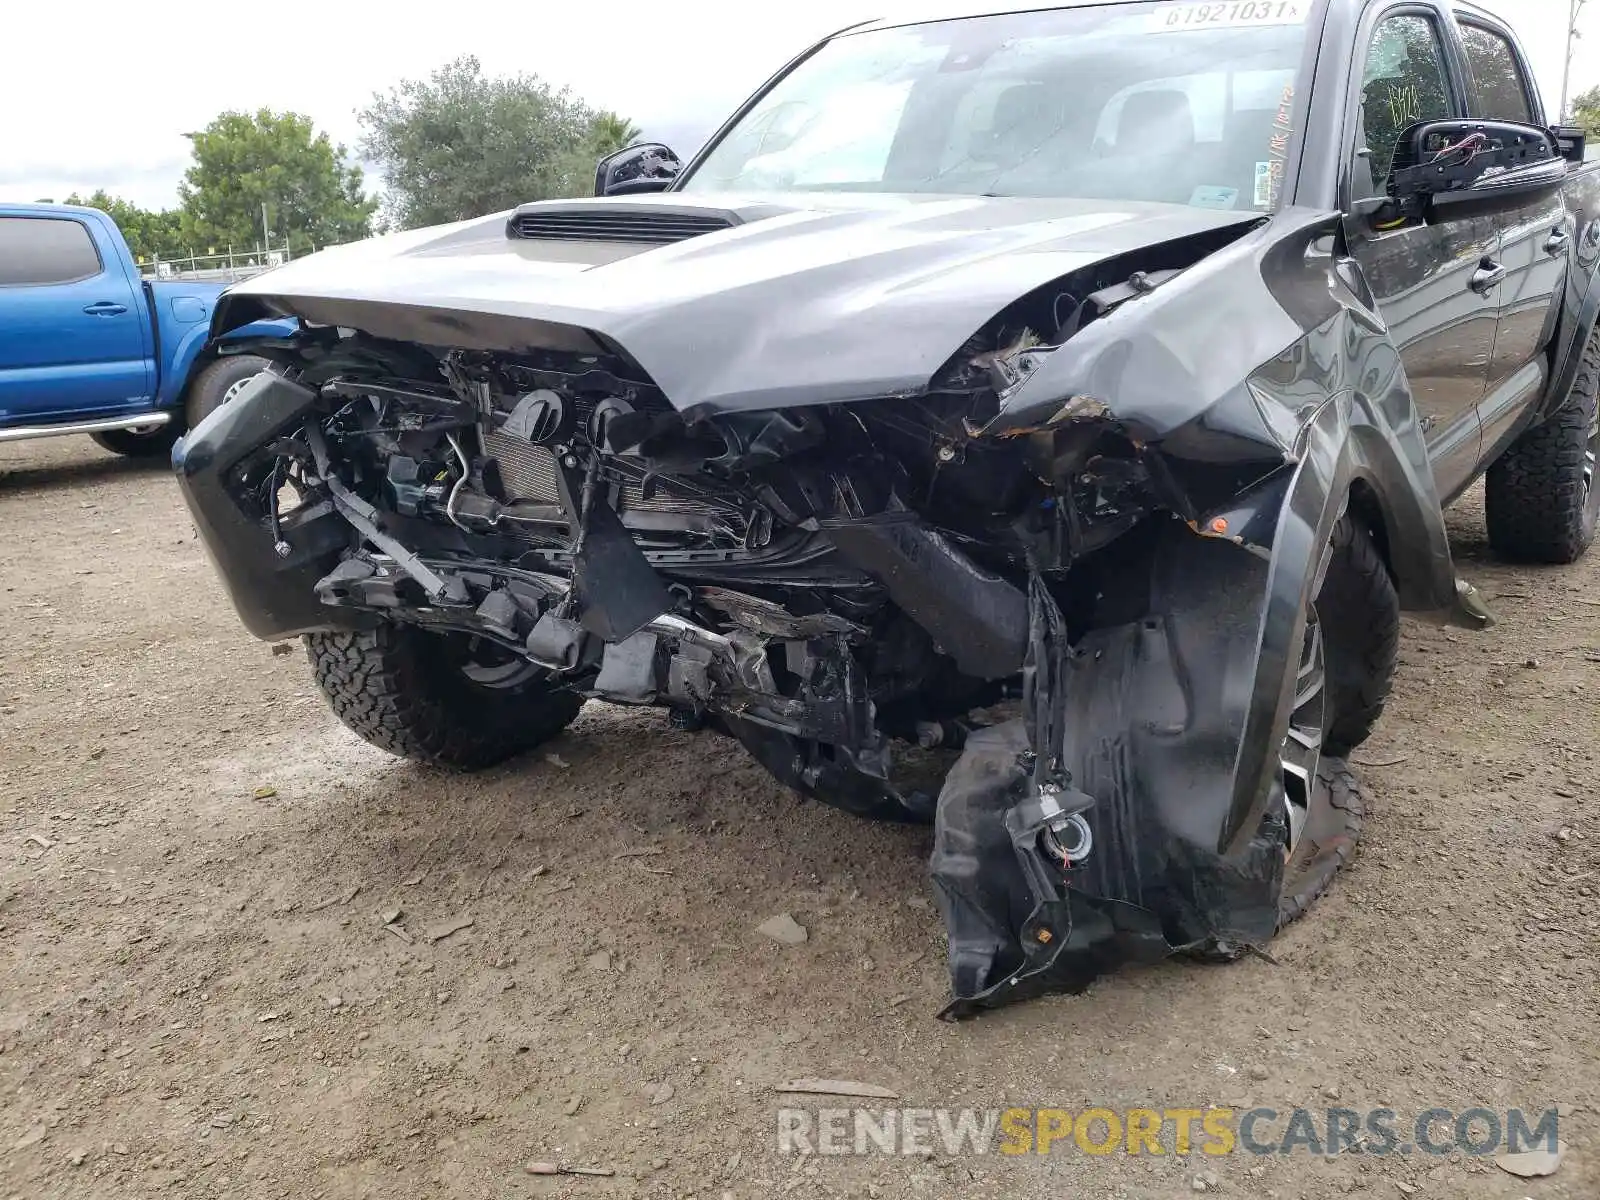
(217, 382)
(154, 442)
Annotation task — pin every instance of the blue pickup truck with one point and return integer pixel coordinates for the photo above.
(87, 346)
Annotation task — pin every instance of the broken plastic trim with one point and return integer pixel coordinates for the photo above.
(987, 860)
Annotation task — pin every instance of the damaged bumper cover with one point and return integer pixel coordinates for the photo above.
(1091, 832)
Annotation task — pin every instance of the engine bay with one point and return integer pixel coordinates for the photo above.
(819, 582)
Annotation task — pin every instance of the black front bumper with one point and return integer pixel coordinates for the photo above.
(275, 595)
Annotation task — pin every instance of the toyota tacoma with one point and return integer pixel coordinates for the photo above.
(1071, 392)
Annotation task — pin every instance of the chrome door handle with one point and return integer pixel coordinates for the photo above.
(1557, 243)
(105, 308)
(1487, 277)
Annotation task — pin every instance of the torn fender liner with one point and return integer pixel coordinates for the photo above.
(1014, 932)
(1019, 925)
(1148, 715)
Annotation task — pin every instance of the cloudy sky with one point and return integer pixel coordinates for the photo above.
(101, 97)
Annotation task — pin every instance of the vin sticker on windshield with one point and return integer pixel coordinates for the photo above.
(1227, 14)
(1263, 197)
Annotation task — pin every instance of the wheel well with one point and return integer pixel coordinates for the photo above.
(1367, 511)
(1566, 357)
(202, 360)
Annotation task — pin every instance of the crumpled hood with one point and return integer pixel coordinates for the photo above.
(812, 299)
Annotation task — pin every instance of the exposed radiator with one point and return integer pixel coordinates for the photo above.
(527, 472)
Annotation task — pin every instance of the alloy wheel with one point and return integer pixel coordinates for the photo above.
(1591, 452)
(1302, 743)
(233, 389)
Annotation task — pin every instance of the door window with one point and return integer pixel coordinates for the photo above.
(42, 250)
(1500, 90)
(1402, 82)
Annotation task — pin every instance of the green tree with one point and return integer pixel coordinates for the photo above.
(461, 144)
(609, 133)
(1586, 112)
(149, 233)
(244, 162)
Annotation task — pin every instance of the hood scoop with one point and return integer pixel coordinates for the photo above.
(637, 224)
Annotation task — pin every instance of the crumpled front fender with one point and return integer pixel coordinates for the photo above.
(1173, 722)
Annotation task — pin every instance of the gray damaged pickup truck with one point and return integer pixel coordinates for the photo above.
(1115, 359)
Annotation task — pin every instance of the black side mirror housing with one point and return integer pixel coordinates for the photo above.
(1448, 163)
(647, 167)
(1573, 141)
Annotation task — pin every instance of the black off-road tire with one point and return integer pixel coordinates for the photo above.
(212, 385)
(1360, 615)
(403, 690)
(1326, 845)
(1358, 612)
(1539, 502)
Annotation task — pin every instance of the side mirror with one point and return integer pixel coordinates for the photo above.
(1448, 163)
(647, 167)
(1572, 140)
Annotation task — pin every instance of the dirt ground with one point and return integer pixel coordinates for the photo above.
(199, 995)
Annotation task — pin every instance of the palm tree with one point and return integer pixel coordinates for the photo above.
(609, 133)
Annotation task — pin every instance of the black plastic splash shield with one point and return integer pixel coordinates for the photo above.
(1143, 721)
(1013, 933)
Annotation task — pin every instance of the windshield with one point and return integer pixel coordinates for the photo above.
(1186, 103)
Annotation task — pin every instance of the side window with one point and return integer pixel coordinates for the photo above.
(39, 250)
(1402, 82)
(1500, 91)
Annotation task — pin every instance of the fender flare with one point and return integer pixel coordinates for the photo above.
(1350, 457)
(198, 350)
(1569, 349)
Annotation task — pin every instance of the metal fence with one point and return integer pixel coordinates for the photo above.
(229, 267)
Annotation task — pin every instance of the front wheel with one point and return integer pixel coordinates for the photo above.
(447, 699)
(212, 386)
(1342, 679)
(218, 382)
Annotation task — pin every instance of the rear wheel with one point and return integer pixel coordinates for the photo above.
(447, 699)
(146, 441)
(1540, 498)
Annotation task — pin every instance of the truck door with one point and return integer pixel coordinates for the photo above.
(74, 335)
(1433, 283)
(1536, 236)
